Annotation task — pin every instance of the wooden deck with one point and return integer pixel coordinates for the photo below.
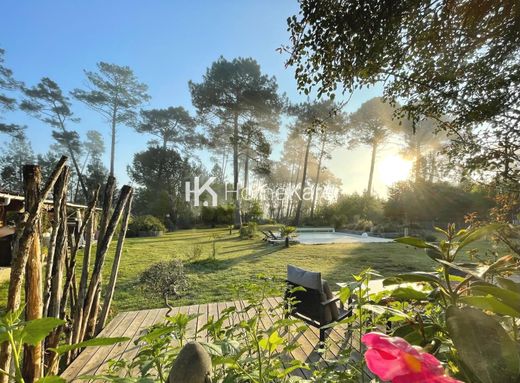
(131, 324)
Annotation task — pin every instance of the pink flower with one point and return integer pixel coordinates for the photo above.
(395, 360)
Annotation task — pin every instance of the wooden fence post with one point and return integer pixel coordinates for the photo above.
(23, 243)
(115, 268)
(103, 245)
(32, 360)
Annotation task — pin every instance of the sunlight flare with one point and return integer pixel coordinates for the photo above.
(393, 169)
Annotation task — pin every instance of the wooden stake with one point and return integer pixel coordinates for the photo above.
(23, 243)
(32, 361)
(103, 246)
(109, 293)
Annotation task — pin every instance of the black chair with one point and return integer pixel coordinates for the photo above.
(314, 304)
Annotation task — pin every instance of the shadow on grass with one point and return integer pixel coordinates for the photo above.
(209, 265)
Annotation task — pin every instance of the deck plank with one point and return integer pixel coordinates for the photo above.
(132, 324)
(75, 368)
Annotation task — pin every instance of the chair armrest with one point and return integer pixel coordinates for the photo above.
(328, 302)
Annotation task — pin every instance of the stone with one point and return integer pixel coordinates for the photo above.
(193, 365)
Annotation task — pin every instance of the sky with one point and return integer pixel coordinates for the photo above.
(166, 43)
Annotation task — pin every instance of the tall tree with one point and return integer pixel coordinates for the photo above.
(174, 127)
(372, 124)
(18, 153)
(422, 143)
(7, 83)
(93, 168)
(312, 119)
(231, 93)
(46, 102)
(437, 58)
(114, 92)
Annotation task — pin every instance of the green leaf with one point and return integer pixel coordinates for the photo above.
(415, 242)
(490, 303)
(36, 330)
(508, 284)
(380, 310)
(508, 297)
(483, 345)
(473, 235)
(413, 278)
(407, 293)
(51, 379)
(344, 294)
(95, 342)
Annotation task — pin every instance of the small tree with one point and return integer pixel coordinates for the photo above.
(166, 279)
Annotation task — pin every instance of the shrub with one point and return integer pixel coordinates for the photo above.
(286, 231)
(364, 225)
(194, 253)
(220, 215)
(144, 223)
(165, 279)
(248, 231)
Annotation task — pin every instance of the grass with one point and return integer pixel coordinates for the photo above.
(239, 261)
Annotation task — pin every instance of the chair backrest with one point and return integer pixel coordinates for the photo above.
(308, 302)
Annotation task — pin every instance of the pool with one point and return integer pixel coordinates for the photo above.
(313, 238)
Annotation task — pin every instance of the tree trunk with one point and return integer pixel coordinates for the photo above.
(236, 192)
(297, 217)
(24, 238)
(418, 160)
(115, 267)
(113, 142)
(32, 360)
(316, 184)
(372, 165)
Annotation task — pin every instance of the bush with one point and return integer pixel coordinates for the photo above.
(195, 252)
(364, 225)
(248, 231)
(165, 279)
(220, 215)
(144, 223)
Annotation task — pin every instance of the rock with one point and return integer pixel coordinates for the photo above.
(193, 365)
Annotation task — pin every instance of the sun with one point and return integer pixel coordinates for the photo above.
(393, 168)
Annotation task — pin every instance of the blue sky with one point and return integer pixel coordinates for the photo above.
(166, 43)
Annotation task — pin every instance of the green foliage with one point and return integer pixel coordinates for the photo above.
(174, 128)
(249, 231)
(424, 201)
(144, 223)
(161, 174)
(484, 347)
(347, 211)
(165, 279)
(286, 231)
(434, 72)
(220, 215)
(17, 332)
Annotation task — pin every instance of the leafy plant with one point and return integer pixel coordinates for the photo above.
(145, 223)
(165, 279)
(249, 231)
(19, 333)
(286, 231)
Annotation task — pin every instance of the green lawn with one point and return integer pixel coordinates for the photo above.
(239, 261)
